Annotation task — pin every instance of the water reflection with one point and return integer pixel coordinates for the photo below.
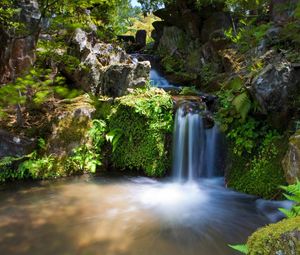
(127, 216)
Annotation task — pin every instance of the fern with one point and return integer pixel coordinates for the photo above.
(292, 194)
(243, 248)
(242, 104)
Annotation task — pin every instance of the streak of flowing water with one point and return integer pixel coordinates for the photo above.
(195, 148)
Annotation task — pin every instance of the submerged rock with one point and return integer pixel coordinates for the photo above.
(104, 69)
(291, 161)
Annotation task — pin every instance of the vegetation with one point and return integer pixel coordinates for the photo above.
(138, 126)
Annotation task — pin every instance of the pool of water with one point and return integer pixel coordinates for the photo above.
(127, 216)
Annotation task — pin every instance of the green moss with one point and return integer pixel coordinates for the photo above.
(279, 238)
(143, 121)
(259, 173)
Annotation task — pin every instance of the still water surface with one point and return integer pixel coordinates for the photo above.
(126, 216)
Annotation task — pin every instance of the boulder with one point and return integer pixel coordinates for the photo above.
(282, 238)
(70, 124)
(140, 38)
(218, 20)
(291, 161)
(17, 54)
(15, 146)
(275, 85)
(104, 69)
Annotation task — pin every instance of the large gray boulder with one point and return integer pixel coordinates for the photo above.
(291, 161)
(275, 85)
(17, 52)
(104, 69)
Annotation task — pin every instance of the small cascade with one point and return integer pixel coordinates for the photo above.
(196, 148)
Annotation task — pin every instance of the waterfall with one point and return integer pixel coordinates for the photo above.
(196, 148)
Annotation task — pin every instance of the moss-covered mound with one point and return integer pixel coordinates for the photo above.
(260, 173)
(139, 125)
(281, 238)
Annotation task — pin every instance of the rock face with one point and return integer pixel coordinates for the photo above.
(291, 161)
(275, 85)
(104, 69)
(189, 40)
(73, 118)
(14, 146)
(17, 52)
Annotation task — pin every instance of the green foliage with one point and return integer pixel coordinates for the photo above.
(260, 173)
(235, 105)
(189, 91)
(249, 35)
(113, 137)
(242, 104)
(243, 248)
(137, 127)
(292, 194)
(88, 157)
(7, 168)
(207, 73)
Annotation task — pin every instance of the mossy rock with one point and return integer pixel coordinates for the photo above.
(282, 238)
(71, 121)
(259, 175)
(144, 121)
(291, 161)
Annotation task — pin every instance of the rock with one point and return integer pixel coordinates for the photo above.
(15, 146)
(70, 124)
(18, 54)
(218, 21)
(275, 85)
(291, 161)
(140, 38)
(104, 69)
(280, 238)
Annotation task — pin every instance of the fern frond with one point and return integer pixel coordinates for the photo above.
(242, 104)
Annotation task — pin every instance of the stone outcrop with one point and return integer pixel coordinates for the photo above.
(17, 51)
(104, 69)
(275, 85)
(70, 124)
(15, 146)
(291, 161)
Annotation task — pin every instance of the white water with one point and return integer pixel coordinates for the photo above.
(195, 149)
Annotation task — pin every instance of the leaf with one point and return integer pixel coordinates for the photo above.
(242, 104)
(243, 248)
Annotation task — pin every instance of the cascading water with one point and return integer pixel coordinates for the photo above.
(195, 147)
